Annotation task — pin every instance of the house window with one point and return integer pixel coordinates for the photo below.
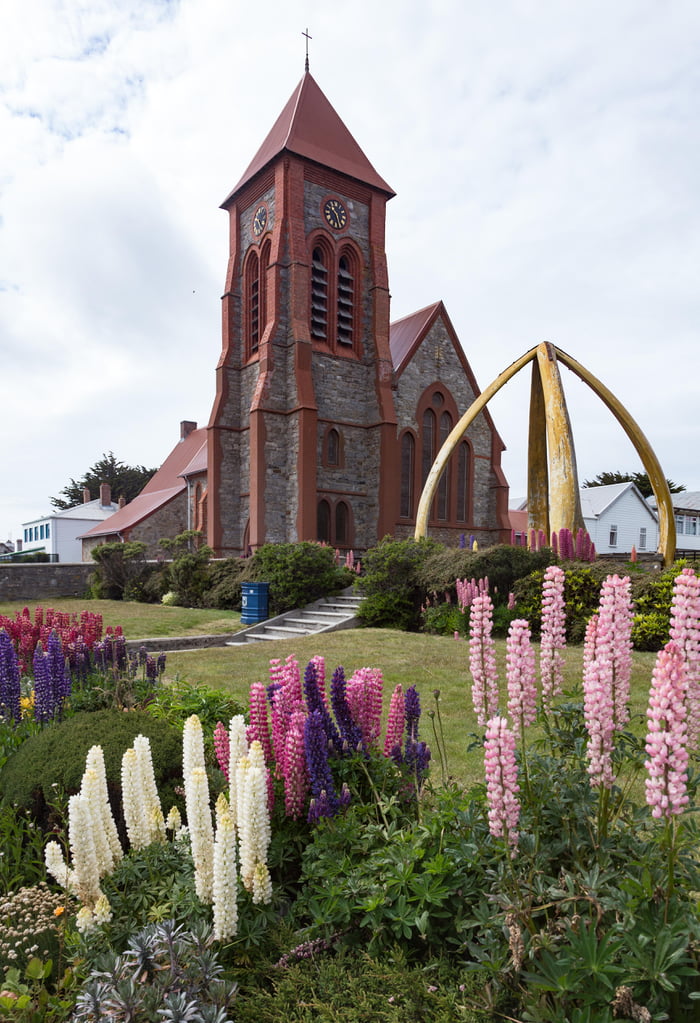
(319, 295)
(680, 522)
(642, 538)
(408, 458)
(346, 301)
(41, 532)
(692, 525)
(613, 536)
(47, 531)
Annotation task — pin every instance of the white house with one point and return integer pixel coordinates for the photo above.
(57, 534)
(686, 510)
(618, 518)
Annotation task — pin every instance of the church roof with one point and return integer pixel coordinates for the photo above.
(406, 334)
(309, 127)
(163, 486)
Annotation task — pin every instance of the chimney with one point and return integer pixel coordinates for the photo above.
(105, 494)
(186, 428)
(122, 501)
(86, 495)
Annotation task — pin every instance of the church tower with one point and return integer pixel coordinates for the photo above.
(304, 415)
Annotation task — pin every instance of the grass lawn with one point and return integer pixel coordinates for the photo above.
(428, 662)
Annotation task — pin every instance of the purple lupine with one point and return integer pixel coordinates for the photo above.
(416, 753)
(315, 702)
(55, 677)
(520, 673)
(482, 659)
(667, 735)
(685, 632)
(324, 801)
(350, 732)
(553, 634)
(502, 788)
(9, 679)
(43, 689)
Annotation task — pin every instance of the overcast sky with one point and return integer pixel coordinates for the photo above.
(545, 156)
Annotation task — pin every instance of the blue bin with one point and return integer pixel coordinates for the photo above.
(254, 602)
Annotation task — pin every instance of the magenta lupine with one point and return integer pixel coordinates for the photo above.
(501, 771)
(259, 728)
(467, 589)
(555, 545)
(395, 722)
(482, 659)
(221, 747)
(685, 632)
(553, 635)
(598, 710)
(363, 691)
(613, 644)
(319, 664)
(520, 673)
(296, 776)
(667, 735)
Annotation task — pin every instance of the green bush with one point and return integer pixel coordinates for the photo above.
(391, 590)
(581, 598)
(650, 631)
(298, 573)
(225, 578)
(121, 570)
(502, 564)
(51, 763)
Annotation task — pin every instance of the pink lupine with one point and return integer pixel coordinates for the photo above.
(553, 635)
(520, 673)
(613, 643)
(363, 692)
(296, 776)
(221, 747)
(259, 728)
(685, 632)
(319, 663)
(667, 735)
(482, 659)
(598, 709)
(395, 721)
(501, 771)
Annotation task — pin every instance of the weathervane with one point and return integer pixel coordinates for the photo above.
(306, 63)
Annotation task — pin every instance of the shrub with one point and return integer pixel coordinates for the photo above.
(390, 586)
(650, 631)
(502, 564)
(225, 579)
(581, 598)
(122, 568)
(53, 761)
(298, 573)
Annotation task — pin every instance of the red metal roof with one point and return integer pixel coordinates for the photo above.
(309, 127)
(406, 334)
(166, 484)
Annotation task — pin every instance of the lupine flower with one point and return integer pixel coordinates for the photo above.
(57, 866)
(225, 886)
(221, 748)
(296, 775)
(502, 788)
(685, 632)
(315, 702)
(91, 790)
(363, 691)
(259, 728)
(9, 679)
(149, 791)
(520, 673)
(482, 659)
(197, 805)
(395, 722)
(350, 732)
(254, 825)
(613, 643)
(238, 747)
(598, 709)
(553, 635)
(137, 825)
(667, 735)
(324, 799)
(173, 821)
(82, 845)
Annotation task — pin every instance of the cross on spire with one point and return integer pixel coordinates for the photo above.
(306, 63)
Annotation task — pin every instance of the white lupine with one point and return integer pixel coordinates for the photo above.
(137, 825)
(95, 761)
(81, 828)
(225, 888)
(192, 746)
(89, 789)
(238, 747)
(174, 820)
(57, 866)
(254, 824)
(153, 812)
(201, 831)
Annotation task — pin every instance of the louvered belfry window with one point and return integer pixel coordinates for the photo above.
(319, 295)
(346, 301)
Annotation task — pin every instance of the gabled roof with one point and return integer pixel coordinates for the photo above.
(166, 484)
(684, 500)
(309, 127)
(405, 335)
(595, 501)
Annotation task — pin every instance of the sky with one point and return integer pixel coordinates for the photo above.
(545, 156)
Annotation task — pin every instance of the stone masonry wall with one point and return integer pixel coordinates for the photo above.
(43, 582)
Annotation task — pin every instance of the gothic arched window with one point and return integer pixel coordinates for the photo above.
(323, 522)
(463, 481)
(333, 447)
(319, 294)
(408, 459)
(341, 524)
(346, 300)
(252, 303)
(443, 490)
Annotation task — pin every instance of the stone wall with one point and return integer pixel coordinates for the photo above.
(42, 582)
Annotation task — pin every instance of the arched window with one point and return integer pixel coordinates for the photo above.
(463, 474)
(252, 302)
(428, 450)
(341, 523)
(443, 491)
(408, 458)
(323, 528)
(262, 303)
(319, 294)
(346, 300)
(333, 447)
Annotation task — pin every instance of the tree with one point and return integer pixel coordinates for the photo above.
(125, 481)
(640, 480)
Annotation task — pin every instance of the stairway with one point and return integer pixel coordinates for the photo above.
(326, 615)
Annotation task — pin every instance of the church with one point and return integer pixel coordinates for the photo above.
(327, 417)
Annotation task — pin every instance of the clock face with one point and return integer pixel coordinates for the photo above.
(259, 220)
(335, 213)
